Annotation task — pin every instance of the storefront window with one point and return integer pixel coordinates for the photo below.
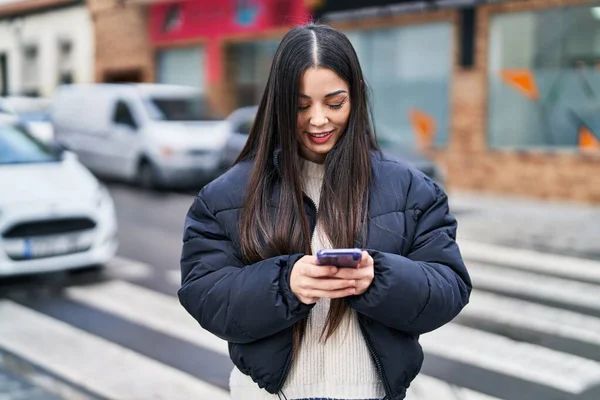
(544, 79)
(181, 66)
(408, 70)
(248, 67)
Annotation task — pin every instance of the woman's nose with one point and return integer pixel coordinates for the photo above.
(318, 117)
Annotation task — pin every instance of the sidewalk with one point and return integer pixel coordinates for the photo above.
(549, 226)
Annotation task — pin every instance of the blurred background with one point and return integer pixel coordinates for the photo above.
(114, 113)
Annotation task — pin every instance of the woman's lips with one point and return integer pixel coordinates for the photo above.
(319, 137)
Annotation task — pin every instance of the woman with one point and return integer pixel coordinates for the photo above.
(311, 177)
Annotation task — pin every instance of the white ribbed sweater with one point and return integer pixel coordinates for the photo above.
(341, 367)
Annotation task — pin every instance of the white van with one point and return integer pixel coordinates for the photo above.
(150, 134)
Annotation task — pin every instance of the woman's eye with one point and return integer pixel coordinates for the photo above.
(336, 106)
(303, 108)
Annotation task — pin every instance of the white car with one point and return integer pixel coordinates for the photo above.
(54, 214)
(33, 114)
(153, 134)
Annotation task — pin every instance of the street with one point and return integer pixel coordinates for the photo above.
(531, 331)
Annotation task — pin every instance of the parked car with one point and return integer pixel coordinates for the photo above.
(150, 134)
(54, 214)
(33, 114)
(242, 119)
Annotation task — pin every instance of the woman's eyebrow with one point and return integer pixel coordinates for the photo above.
(304, 96)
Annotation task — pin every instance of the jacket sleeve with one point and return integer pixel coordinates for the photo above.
(427, 288)
(236, 302)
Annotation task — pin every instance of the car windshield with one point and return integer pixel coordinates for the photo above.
(35, 116)
(18, 147)
(181, 109)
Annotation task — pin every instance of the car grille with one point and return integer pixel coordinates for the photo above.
(49, 227)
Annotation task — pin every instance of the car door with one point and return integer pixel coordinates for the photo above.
(241, 125)
(124, 137)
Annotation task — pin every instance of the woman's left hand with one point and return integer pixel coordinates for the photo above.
(363, 274)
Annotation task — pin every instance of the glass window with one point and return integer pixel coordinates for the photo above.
(544, 79)
(408, 70)
(245, 126)
(249, 65)
(123, 115)
(182, 66)
(181, 109)
(30, 70)
(17, 147)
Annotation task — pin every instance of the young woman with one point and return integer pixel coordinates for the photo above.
(311, 177)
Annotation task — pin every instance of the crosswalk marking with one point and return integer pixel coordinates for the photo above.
(125, 268)
(523, 314)
(541, 287)
(98, 365)
(427, 388)
(470, 346)
(148, 308)
(538, 364)
(533, 261)
(174, 276)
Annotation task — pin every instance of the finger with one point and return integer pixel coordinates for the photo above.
(352, 273)
(365, 259)
(332, 294)
(320, 271)
(347, 273)
(327, 284)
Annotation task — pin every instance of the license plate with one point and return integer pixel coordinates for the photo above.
(50, 246)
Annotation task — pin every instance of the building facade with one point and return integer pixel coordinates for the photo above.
(44, 44)
(500, 92)
(123, 49)
(224, 48)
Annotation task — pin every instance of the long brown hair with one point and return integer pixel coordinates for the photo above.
(345, 189)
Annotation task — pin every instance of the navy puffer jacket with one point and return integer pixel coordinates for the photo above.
(420, 281)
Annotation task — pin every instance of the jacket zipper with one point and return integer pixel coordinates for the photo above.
(288, 366)
(386, 385)
(286, 372)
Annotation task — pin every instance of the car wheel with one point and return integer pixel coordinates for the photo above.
(146, 177)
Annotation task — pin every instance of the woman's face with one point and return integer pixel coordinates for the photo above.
(323, 112)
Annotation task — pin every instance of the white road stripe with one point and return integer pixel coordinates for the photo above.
(530, 260)
(547, 367)
(535, 285)
(96, 364)
(125, 268)
(427, 388)
(536, 317)
(147, 308)
(174, 277)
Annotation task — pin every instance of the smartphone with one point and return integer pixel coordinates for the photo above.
(342, 258)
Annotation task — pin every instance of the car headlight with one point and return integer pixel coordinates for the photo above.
(102, 196)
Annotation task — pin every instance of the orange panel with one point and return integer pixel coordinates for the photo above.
(423, 126)
(522, 80)
(587, 139)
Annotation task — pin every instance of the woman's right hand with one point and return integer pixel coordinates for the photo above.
(310, 281)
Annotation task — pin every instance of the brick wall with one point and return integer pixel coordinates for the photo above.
(122, 45)
(561, 174)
